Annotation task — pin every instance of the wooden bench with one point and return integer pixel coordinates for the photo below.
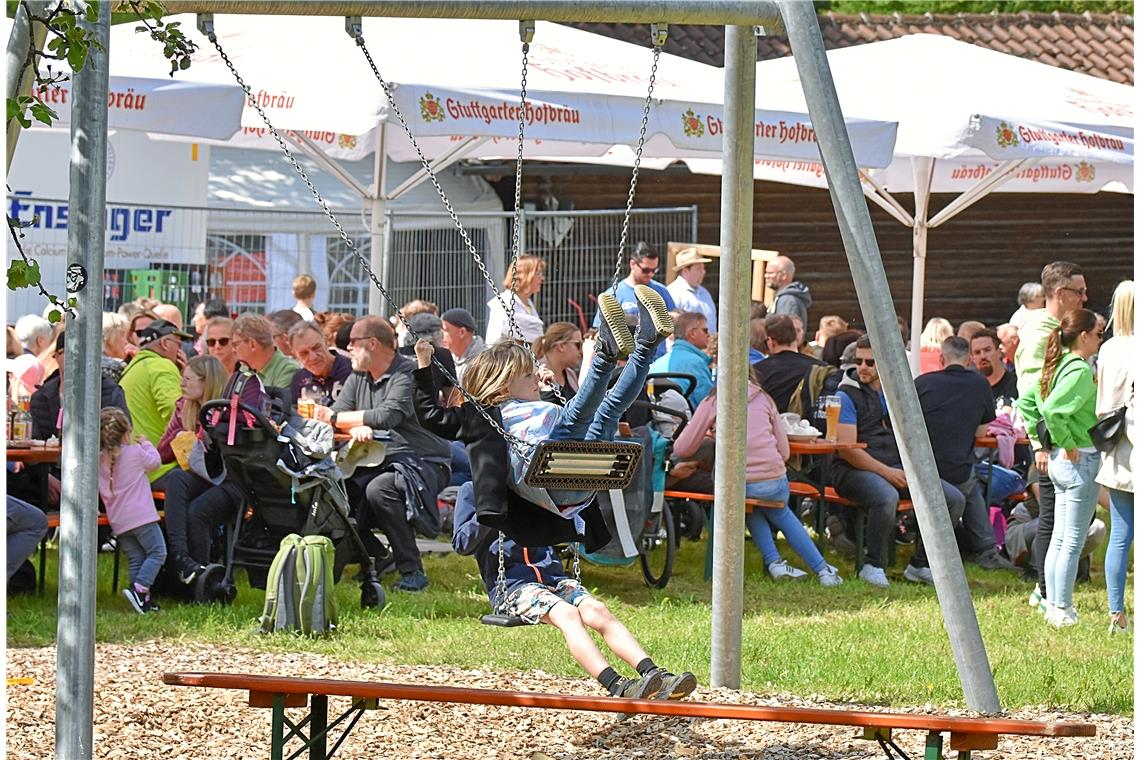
(749, 505)
(53, 522)
(313, 730)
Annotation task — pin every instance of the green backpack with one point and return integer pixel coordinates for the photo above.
(299, 588)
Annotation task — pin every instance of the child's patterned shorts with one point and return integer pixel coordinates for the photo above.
(532, 601)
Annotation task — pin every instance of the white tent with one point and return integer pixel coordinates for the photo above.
(585, 95)
(971, 121)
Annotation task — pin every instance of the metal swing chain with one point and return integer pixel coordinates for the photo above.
(527, 32)
(521, 447)
(660, 33)
(508, 308)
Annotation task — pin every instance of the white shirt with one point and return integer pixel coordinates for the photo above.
(526, 317)
(305, 312)
(689, 298)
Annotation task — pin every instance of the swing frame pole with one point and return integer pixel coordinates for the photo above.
(710, 12)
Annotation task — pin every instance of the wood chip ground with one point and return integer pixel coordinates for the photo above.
(137, 716)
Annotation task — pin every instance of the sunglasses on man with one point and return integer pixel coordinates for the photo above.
(223, 342)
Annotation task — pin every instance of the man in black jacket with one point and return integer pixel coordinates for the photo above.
(873, 477)
(785, 366)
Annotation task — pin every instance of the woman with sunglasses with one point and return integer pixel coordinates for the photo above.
(1065, 398)
(219, 340)
(560, 349)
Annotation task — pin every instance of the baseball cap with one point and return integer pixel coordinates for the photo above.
(159, 328)
(688, 257)
(460, 318)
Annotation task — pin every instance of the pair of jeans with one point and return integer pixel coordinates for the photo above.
(1120, 506)
(880, 499)
(956, 506)
(146, 553)
(1075, 490)
(977, 529)
(595, 410)
(27, 525)
(762, 520)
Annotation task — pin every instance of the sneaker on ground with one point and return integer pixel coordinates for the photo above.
(992, 560)
(137, 600)
(149, 605)
(876, 576)
(1115, 629)
(416, 581)
(782, 570)
(829, 576)
(646, 687)
(919, 575)
(675, 685)
(109, 545)
(655, 323)
(614, 337)
(1060, 617)
(187, 568)
(1035, 598)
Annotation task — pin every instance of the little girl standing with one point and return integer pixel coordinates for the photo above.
(125, 491)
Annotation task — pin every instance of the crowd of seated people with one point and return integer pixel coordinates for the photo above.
(358, 373)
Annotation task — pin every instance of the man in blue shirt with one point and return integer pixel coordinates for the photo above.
(690, 339)
(873, 477)
(644, 262)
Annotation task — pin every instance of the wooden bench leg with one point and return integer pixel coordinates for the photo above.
(318, 726)
(277, 730)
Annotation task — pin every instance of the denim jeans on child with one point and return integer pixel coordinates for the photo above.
(1075, 489)
(1121, 504)
(593, 413)
(146, 552)
(761, 521)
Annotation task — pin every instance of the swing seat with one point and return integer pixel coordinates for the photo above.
(502, 620)
(583, 465)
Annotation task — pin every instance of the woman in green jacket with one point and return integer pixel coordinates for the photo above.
(1066, 399)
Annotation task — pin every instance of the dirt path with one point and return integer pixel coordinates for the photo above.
(136, 716)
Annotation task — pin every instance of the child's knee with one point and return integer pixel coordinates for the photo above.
(594, 613)
(563, 614)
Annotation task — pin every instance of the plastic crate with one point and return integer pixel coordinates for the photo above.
(170, 287)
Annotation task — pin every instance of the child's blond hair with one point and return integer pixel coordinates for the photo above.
(114, 426)
(490, 373)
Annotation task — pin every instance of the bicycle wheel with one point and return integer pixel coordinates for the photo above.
(658, 548)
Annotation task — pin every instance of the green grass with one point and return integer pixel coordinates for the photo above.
(852, 643)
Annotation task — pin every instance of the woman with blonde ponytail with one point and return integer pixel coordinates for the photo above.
(1065, 398)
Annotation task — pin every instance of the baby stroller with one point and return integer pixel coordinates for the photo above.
(290, 484)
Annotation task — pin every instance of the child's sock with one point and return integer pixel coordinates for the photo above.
(143, 591)
(645, 666)
(607, 678)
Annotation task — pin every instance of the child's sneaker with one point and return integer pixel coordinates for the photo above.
(614, 338)
(829, 576)
(645, 687)
(675, 685)
(781, 570)
(655, 322)
(138, 601)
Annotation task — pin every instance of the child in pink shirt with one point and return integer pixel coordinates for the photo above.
(767, 478)
(124, 461)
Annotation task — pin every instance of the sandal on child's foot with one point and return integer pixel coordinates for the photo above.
(655, 322)
(615, 341)
(645, 687)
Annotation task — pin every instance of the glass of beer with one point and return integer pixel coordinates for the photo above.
(307, 403)
(833, 406)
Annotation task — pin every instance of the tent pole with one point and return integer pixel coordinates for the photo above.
(878, 311)
(78, 544)
(923, 168)
(377, 252)
(737, 188)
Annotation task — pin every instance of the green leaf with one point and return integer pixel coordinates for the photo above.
(44, 114)
(13, 109)
(76, 57)
(93, 11)
(184, 63)
(23, 274)
(25, 122)
(73, 302)
(55, 315)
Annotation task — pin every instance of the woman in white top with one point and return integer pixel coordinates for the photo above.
(1116, 382)
(528, 278)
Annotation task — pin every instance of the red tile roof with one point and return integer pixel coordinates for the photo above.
(1096, 44)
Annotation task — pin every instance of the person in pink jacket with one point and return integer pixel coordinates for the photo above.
(124, 461)
(767, 479)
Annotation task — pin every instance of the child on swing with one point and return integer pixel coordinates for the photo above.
(505, 376)
(539, 591)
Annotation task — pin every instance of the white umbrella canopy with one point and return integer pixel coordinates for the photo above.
(156, 104)
(585, 92)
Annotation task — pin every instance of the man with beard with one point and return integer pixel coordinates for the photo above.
(985, 350)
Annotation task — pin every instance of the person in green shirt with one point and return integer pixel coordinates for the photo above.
(1065, 398)
(1063, 285)
(253, 343)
